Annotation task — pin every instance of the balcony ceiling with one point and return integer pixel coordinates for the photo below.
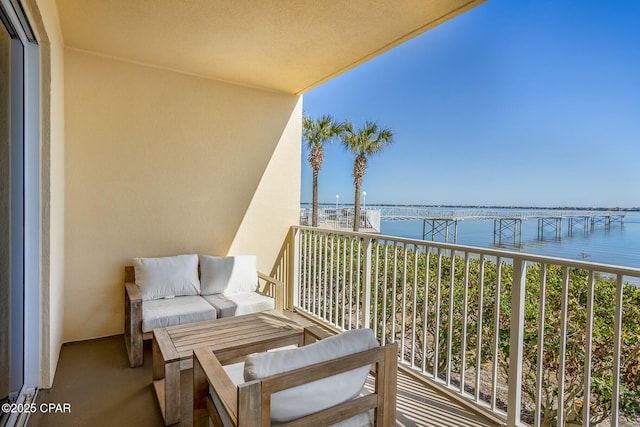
(282, 45)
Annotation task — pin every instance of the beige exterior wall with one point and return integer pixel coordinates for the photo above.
(159, 163)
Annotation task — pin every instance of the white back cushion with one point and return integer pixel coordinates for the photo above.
(228, 275)
(167, 277)
(309, 398)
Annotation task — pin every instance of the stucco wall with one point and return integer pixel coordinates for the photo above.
(159, 163)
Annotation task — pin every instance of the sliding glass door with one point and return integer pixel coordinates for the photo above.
(19, 205)
(6, 346)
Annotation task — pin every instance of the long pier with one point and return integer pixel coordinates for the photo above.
(442, 223)
(507, 225)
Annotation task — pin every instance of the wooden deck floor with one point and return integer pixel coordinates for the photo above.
(95, 379)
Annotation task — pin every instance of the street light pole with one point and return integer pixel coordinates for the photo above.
(337, 218)
(363, 215)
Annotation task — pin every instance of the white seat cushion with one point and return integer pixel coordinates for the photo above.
(360, 420)
(238, 304)
(236, 372)
(309, 398)
(161, 313)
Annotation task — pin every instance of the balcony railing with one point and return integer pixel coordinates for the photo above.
(343, 218)
(518, 335)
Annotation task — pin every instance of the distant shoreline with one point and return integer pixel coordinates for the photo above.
(566, 208)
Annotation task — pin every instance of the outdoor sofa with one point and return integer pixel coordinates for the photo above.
(168, 291)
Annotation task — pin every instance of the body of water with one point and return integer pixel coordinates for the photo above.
(618, 245)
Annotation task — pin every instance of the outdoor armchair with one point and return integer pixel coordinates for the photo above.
(318, 384)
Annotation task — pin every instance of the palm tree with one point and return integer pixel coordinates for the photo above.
(317, 133)
(363, 143)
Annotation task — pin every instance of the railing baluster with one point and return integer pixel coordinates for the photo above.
(336, 305)
(414, 306)
(516, 341)
(344, 279)
(425, 316)
(296, 274)
(367, 283)
(317, 289)
(540, 360)
(384, 293)
(324, 282)
(350, 308)
(359, 272)
(314, 272)
(404, 305)
(319, 275)
(376, 290)
(586, 411)
(617, 347)
(436, 356)
(394, 286)
(480, 322)
(563, 344)
(465, 313)
(309, 271)
(306, 294)
(316, 266)
(329, 315)
(452, 286)
(496, 334)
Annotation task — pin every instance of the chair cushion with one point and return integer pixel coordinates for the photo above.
(228, 275)
(167, 277)
(235, 373)
(309, 398)
(361, 420)
(161, 313)
(237, 304)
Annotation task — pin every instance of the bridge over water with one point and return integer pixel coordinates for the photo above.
(507, 224)
(442, 223)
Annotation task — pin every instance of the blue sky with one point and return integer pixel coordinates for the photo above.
(515, 103)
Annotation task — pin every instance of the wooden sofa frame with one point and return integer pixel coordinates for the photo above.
(248, 404)
(133, 335)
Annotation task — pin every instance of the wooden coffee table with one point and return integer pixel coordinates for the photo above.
(230, 339)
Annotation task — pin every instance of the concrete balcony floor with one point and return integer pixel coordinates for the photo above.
(94, 377)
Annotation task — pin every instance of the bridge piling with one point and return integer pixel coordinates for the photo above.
(505, 227)
(440, 227)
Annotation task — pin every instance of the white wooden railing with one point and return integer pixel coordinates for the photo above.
(343, 218)
(555, 335)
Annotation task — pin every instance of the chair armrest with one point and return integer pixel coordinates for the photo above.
(208, 372)
(274, 289)
(133, 323)
(314, 333)
(133, 292)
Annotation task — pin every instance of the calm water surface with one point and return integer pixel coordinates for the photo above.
(619, 245)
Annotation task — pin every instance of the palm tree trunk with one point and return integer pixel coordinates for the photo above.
(356, 210)
(314, 208)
